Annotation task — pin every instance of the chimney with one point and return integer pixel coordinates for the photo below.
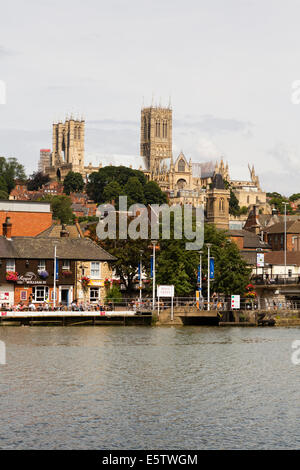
(64, 233)
(7, 228)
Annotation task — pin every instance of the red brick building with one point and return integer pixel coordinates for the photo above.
(28, 218)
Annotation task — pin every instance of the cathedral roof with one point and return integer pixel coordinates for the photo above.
(218, 182)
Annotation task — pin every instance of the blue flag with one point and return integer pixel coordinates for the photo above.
(212, 268)
(140, 271)
(151, 266)
(199, 274)
(57, 266)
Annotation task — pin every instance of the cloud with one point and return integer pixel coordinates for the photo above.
(214, 125)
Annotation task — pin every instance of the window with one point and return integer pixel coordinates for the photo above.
(23, 295)
(10, 265)
(42, 265)
(40, 293)
(181, 165)
(94, 294)
(66, 264)
(157, 129)
(95, 270)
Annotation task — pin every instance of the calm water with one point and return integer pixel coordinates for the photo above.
(149, 388)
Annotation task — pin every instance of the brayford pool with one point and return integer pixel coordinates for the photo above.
(149, 388)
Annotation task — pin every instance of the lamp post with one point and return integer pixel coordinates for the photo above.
(208, 275)
(141, 270)
(285, 204)
(54, 283)
(200, 274)
(154, 242)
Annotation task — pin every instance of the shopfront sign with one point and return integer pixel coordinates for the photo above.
(96, 283)
(30, 279)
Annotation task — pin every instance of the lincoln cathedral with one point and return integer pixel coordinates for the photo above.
(184, 181)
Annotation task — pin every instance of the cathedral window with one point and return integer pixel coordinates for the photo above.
(181, 166)
(157, 133)
(165, 130)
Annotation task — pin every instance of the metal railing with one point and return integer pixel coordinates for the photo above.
(184, 304)
(278, 279)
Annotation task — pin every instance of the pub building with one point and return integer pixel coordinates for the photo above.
(27, 268)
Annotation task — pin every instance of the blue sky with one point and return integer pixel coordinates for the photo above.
(227, 65)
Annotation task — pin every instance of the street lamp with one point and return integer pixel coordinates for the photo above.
(208, 274)
(154, 242)
(285, 204)
(200, 274)
(141, 270)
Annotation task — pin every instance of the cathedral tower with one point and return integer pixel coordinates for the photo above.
(67, 148)
(217, 205)
(156, 136)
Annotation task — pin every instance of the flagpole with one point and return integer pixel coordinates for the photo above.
(54, 283)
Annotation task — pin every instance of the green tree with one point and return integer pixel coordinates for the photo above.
(234, 207)
(11, 170)
(294, 197)
(178, 266)
(37, 180)
(100, 179)
(113, 294)
(153, 194)
(3, 194)
(73, 183)
(61, 208)
(112, 191)
(134, 191)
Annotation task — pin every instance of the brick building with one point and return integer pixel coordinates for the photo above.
(27, 268)
(28, 219)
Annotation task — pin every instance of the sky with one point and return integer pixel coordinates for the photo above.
(228, 68)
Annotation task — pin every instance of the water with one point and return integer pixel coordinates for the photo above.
(149, 388)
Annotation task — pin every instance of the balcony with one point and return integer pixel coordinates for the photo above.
(275, 280)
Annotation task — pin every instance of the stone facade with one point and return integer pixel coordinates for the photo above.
(67, 149)
(85, 269)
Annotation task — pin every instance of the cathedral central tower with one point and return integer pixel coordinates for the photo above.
(156, 136)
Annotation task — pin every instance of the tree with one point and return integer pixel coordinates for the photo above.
(178, 266)
(61, 208)
(153, 194)
(11, 170)
(294, 197)
(3, 194)
(113, 294)
(112, 192)
(37, 180)
(134, 191)
(234, 207)
(73, 183)
(3, 185)
(100, 179)
(128, 258)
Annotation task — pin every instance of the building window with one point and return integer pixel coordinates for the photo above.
(23, 295)
(95, 270)
(181, 166)
(10, 265)
(94, 294)
(165, 130)
(42, 265)
(157, 129)
(66, 264)
(40, 293)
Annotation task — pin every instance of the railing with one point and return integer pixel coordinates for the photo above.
(278, 279)
(184, 304)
